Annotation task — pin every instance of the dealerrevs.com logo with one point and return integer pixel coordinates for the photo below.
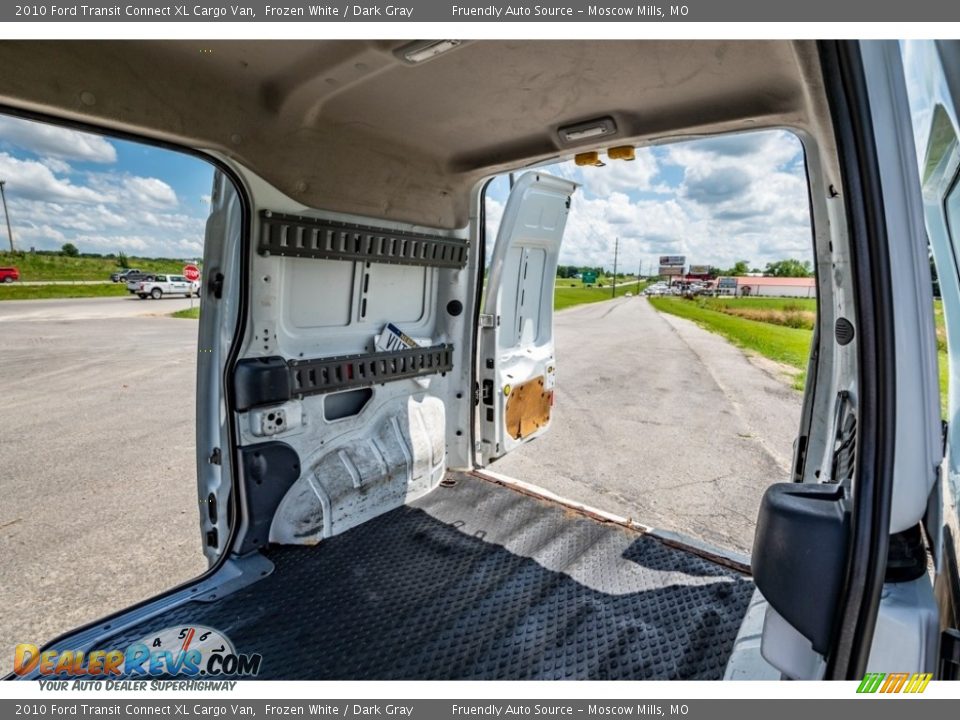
(185, 651)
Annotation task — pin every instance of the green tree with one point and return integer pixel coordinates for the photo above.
(788, 268)
(740, 268)
(122, 260)
(70, 250)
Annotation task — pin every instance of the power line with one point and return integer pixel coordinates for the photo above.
(616, 251)
(6, 213)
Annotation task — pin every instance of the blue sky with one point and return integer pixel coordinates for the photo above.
(716, 200)
(103, 195)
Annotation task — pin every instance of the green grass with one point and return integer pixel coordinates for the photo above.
(566, 297)
(767, 303)
(602, 279)
(188, 313)
(15, 291)
(790, 346)
(35, 266)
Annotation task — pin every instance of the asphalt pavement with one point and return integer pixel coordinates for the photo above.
(99, 504)
(660, 421)
(655, 419)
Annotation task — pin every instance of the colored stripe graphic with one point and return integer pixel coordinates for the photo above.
(894, 683)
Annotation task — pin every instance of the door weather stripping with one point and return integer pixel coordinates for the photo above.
(307, 237)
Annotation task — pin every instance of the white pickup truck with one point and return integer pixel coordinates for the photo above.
(161, 285)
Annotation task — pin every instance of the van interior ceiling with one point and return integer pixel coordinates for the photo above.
(366, 132)
(342, 424)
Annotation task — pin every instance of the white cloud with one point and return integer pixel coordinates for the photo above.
(51, 202)
(33, 180)
(152, 191)
(727, 198)
(55, 142)
(56, 165)
(145, 192)
(624, 176)
(494, 214)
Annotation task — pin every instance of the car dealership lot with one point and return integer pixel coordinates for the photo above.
(655, 419)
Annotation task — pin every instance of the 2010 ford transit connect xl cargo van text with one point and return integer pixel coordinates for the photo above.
(358, 382)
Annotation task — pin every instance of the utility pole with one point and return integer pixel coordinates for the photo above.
(616, 250)
(6, 213)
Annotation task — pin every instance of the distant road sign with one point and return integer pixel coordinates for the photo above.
(673, 260)
(699, 270)
(671, 269)
(191, 272)
(588, 278)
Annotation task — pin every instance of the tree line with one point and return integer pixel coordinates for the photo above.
(780, 268)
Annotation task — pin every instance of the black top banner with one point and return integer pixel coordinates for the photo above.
(478, 11)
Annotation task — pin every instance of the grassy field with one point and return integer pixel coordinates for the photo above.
(188, 313)
(565, 297)
(787, 345)
(15, 291)
(601, 280)
(798, 313)
(778, 328)
(35, 267)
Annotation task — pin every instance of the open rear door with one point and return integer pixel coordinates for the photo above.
(517, 362)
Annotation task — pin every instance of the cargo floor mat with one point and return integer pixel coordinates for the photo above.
(478, 581)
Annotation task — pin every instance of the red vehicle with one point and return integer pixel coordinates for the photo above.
(9, 274)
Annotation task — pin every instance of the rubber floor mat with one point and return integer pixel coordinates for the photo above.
(479, 581)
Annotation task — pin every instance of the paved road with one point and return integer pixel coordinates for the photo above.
(96, 422)
(64, 282)
(662, 422)
(105, 308)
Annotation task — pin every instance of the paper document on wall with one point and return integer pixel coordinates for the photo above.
(393, 338)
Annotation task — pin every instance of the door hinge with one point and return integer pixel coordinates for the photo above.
(215, 285)
(488, 321)
(949, 655)
(214, 458)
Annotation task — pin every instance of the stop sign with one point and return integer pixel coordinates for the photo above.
(191, 272)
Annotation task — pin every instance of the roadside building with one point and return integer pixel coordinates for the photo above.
(770, 286)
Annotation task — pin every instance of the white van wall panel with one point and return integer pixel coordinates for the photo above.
(301, 281)
(396, 448)
(400, 458)
(319, 294)
(396, 293)
(529, 296)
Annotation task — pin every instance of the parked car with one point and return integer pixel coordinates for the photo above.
(133, 284)
(127, 275)
(161, 285)
(9, 274)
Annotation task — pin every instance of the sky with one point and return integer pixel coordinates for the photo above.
(102, 195)
(715, 201)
